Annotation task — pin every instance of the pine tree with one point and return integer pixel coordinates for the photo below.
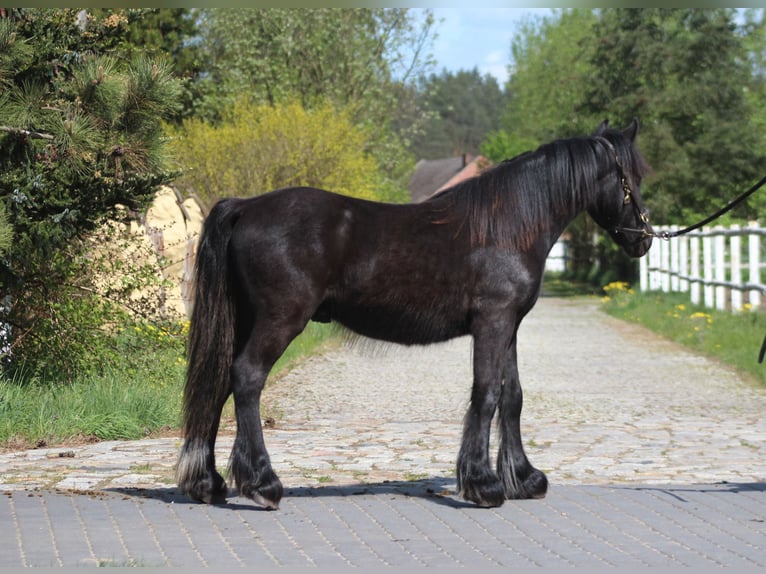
(80, 141)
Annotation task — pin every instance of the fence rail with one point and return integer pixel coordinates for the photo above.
(718, 267)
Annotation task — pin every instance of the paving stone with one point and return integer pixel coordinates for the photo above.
(655, 457)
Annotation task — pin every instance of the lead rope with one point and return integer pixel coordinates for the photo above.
(729, 206)
(667, 235)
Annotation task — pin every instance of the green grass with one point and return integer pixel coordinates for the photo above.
(125, 401)
(734, 338)
(557, 285)
(312, 340)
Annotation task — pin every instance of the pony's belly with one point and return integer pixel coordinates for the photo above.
(395, 325)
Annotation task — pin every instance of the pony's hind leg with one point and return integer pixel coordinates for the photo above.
(196, 474)
(520, 479)
(250, 464)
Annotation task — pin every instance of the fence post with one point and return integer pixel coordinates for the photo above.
(683, 254)
(695, 270)
(719, 256)
(654, 265)
(736, 268)
(665, 265)
(643, 273)
(675, 267)
(754, 265)
(707, 270)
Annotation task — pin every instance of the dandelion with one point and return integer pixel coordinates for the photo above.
(700, 315)
(617, 286)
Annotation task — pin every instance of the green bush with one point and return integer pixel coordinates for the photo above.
(258, 148)
(107, 284)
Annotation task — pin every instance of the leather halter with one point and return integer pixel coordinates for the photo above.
(643, 216)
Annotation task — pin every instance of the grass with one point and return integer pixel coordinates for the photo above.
(556, 285)
(124, 401)
(734, 338)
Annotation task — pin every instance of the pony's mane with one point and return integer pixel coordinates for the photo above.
(512, 203)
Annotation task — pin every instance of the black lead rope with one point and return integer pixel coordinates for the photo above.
(729, 206)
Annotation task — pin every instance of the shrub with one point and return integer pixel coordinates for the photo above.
(258, 148)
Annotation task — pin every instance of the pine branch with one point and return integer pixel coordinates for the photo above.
(35, 135)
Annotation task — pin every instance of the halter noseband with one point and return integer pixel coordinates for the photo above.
(627, 199)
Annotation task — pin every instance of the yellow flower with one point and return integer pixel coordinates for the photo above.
(617, 286)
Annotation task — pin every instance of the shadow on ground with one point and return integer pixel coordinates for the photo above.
(437, 490)
(440, 490)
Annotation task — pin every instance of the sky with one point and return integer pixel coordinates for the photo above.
(478, 37)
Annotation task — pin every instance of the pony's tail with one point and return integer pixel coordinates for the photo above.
(210, 347)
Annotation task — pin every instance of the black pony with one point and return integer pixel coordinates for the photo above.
(469, 260)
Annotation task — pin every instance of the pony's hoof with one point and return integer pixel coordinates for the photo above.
(211, 489)
(266, 493)
(486, 492)
(535, 485)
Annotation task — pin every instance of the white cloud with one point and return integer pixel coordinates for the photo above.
(478, 38)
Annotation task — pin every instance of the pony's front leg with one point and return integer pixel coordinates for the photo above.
(520, 479)
(476, 481)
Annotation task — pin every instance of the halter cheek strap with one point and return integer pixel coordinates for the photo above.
(646, 230)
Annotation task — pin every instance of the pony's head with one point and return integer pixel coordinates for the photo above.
(619, 208)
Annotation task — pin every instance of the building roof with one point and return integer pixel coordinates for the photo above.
(432, 175)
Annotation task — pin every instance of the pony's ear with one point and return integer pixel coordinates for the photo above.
(601, 128)
(632, 130)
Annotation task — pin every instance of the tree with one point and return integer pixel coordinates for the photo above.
(464, 107)
(685, 74)
(549, 74)
(80, 141)
(358, 60)
(170, 33)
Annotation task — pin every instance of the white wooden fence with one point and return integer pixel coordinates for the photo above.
(718, 267)
(557, 258)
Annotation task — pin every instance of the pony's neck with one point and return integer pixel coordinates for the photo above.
(527, 201)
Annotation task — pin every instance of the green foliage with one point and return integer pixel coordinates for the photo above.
(346, 57)
(465, 106)
(6, 232)
(692, 77)
(81, 138)
(139, 396)
(170, 33)
(734, 338)
(357, 60)
(685, 74)
(116, 403)
(551, 65)
(78, 327)
(258, 148)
